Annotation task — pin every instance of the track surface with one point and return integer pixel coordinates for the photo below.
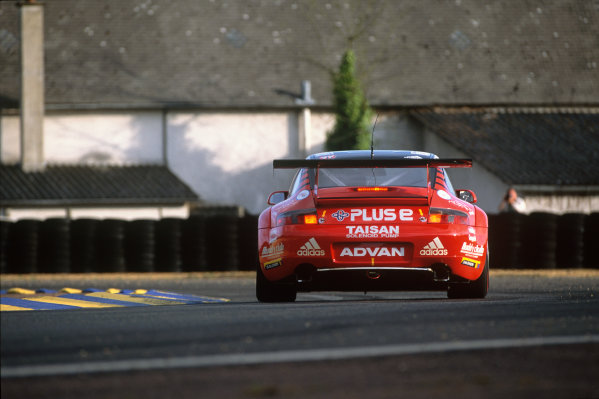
(420, 330)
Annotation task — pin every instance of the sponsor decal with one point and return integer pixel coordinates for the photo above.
(471, 230)
(461, 204)
(422, 217)
(327, 155)
(302, 195)
(443, 194)
(340, 215)
(472, 238)
(471, 263)
(426, 154)
(372, 231)
(273, 250)
(472, 250)
(381, 214)
(310, 248)
(434, 248)
(372, 252)
(272, 264)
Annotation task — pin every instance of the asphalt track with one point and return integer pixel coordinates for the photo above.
(537, 333)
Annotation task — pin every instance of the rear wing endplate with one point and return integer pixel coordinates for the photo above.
(371, 163)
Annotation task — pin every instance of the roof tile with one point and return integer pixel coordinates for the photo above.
(140, 184)
(526, 148)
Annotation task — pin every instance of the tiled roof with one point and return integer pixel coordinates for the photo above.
(255, 53)
(524, 147)
(92, 185)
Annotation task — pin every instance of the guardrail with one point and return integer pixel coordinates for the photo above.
(226, 242)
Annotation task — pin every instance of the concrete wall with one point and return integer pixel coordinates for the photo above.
(10, 144)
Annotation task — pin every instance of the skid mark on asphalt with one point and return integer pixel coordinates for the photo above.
(71, 298)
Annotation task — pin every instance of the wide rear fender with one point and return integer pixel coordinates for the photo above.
(481, 219)
(264, 219)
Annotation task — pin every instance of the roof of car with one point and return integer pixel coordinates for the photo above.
(376, 154)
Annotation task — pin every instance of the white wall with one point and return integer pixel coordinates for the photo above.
(101, 137)
(125, 213)
(226, 157)
(91, 137)
(10, 144)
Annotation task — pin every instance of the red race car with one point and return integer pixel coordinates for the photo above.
(372, 221)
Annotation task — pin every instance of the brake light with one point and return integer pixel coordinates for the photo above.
(371, 189)
(448, 216)
(310, 219)
(304, 216)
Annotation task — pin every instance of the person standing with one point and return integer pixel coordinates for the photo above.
(512, 202)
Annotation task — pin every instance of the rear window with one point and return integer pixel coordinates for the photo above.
(371, 177)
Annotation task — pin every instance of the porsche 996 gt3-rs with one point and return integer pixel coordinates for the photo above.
(372, 221)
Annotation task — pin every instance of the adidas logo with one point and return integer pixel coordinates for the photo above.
(311, 248)
(433, 248)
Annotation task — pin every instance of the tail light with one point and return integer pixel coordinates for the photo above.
(304, 216)
(371, 189)
(448, 216)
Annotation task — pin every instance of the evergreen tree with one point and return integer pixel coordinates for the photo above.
(353, 115)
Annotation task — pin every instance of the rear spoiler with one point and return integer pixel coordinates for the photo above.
(371, 163)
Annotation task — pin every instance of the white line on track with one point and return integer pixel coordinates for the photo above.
(288, 356)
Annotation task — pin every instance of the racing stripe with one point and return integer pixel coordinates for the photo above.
(136, 299)
(71, 302)
(11, 308)
(101, 300)
(31, 305)
(187, 298)
(94, 298)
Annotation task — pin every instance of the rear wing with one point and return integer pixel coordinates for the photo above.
(371, 163)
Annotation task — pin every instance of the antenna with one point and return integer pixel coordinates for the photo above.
(372, 137)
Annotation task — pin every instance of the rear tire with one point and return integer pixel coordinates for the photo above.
(476, 289)
(267, 291)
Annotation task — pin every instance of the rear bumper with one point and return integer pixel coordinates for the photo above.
(371, 279)
(415, 257)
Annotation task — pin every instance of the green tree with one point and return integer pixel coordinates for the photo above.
(353, 115)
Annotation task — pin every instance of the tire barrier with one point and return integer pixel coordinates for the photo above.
(247, 242)
(505, 240)
(591, 238)
(540, 240)
(84, 251)
(22, 246)
(110, 246)
(221, 242)
(193, 244)
(140, 242)
(226, 242)
(168, 245)
(570, 240)
(54, 246)
(4, 230)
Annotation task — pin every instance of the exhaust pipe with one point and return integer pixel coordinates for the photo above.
(441, 272)
(373, 275)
